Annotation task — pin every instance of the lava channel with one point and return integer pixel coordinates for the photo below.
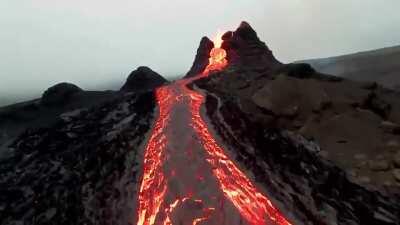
(153, 186)
(188, 178)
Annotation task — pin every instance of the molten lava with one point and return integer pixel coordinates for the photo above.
(217, 60)
(171, 195)
(153, 187)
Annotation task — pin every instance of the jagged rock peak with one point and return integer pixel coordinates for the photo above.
(244, 48)
(59, 93)
(202, 56)
(142, 79)
(246, 32)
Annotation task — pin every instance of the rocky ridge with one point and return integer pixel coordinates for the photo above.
(201, 59)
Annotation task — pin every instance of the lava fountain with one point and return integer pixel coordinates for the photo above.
(217, 60)
(171, 190)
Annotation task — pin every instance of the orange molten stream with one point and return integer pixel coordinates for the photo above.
(217, 60)
(153, 187)
(153, 208)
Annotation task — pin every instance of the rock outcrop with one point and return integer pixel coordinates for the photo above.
(143, 79)
(245, 49)
(59, 94)
(202, 57)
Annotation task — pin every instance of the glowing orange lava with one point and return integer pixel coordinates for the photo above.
(170, 209)
(252, 205)
(153, 186)
(217, 60)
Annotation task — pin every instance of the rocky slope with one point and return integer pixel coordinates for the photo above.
(82, 170)
(325, 146)
(77, 159)
(381, 66)
(63, 98)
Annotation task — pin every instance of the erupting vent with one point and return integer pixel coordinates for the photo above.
(210, 189)
(217, 60)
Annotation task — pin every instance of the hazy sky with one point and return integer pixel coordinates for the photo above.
(96, 43)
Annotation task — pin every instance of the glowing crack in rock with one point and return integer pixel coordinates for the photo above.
(171, 191)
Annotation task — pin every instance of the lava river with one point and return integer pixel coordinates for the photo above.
(187, 177)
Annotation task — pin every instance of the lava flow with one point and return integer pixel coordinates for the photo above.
(153, 187)
(188, 178)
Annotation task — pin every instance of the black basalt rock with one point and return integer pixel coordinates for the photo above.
(59, 94)
(202, 57)
(143, 79)
(245, 49)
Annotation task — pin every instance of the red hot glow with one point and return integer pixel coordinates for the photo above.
(153, 187)
(217, 59)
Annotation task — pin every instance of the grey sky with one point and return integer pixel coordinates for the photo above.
(96, 43)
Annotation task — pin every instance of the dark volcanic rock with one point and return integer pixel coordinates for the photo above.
(311, 189)
(202, 57)
(59, 94)
(143, 79)
(299, 70)
(83, 170)
(44, 112)
(376, 104)
(244, 48)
